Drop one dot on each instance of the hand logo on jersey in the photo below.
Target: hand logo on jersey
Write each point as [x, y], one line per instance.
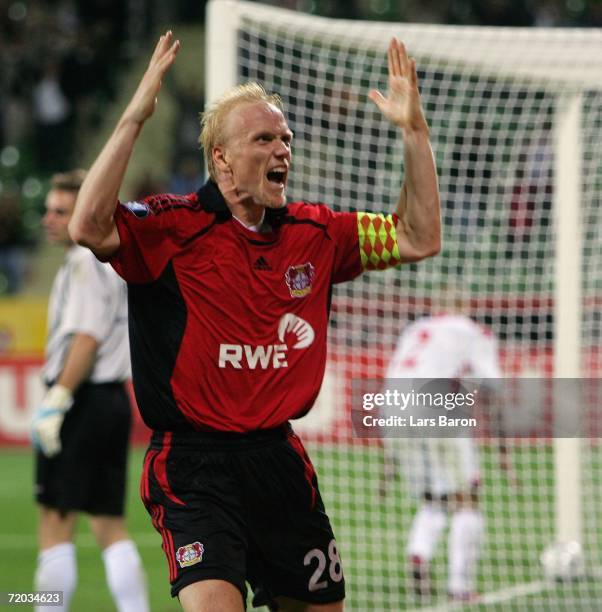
[304, 332]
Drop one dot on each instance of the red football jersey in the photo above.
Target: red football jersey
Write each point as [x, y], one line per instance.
[228, 326]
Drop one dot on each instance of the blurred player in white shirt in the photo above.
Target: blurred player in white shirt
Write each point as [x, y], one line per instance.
[443, 471]
[81, 429]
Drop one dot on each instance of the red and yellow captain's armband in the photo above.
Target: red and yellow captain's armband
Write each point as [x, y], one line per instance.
[377, 241]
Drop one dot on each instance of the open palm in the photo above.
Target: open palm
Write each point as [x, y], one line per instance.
[143, 103]
[402, 105]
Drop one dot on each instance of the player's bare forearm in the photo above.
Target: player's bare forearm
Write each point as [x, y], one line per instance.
[79, 362]
[92, 224]
[418, 230]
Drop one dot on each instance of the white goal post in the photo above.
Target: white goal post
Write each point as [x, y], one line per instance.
[516, 127]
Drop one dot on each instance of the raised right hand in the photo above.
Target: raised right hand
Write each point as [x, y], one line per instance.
[142, 104]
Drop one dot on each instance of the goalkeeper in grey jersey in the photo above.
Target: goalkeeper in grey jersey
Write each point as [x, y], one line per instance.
[81, 429]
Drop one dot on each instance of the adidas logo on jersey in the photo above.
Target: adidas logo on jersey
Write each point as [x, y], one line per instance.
[262, 264]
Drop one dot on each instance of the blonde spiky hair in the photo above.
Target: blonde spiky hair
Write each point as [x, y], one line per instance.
[213, 119]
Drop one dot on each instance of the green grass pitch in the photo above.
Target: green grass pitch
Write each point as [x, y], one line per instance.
[371, 532]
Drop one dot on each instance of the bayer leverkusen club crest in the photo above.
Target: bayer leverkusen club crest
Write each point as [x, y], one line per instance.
[299, 279]
[190, 554]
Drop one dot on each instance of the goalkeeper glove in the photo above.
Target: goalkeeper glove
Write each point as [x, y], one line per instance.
[47, 421]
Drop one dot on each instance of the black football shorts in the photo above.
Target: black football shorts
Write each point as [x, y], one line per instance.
[242, 507]
[89, 474]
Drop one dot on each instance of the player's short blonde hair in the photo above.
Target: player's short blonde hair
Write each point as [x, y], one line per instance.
[68, 181]
[213, 119]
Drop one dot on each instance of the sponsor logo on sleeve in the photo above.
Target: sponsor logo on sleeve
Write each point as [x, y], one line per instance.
[139, 209]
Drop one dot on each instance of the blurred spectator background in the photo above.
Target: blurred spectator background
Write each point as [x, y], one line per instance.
[67, 67]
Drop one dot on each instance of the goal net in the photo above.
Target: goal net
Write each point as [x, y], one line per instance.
[516, 127]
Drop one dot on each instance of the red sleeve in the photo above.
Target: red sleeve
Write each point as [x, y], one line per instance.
[151, 232]
[342, 229]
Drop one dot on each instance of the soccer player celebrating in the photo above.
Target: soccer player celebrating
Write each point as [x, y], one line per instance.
[81, 430]
[443, 471]
[229, 290]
